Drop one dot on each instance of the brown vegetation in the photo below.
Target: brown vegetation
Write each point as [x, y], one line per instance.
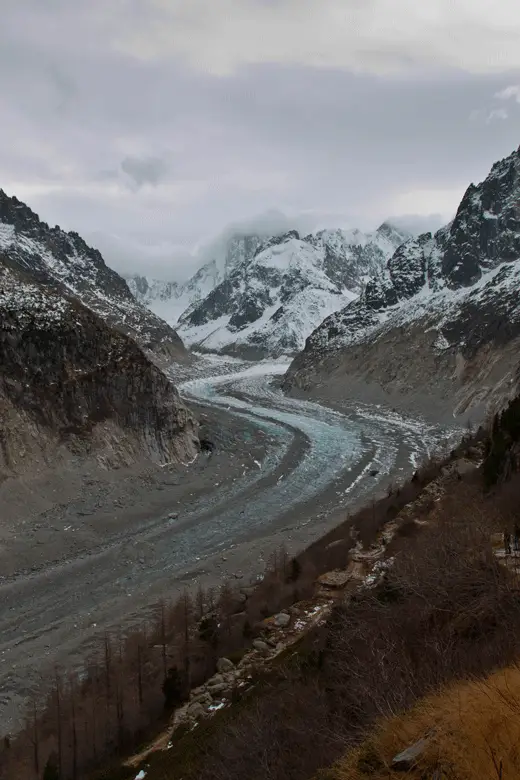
[445, 611]
[475, 733]
[377, 655]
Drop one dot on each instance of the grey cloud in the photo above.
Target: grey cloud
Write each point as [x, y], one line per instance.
[144, 170]
[420, 223]
[86, 127]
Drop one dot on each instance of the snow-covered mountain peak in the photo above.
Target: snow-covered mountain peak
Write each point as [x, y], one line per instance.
[271, 300]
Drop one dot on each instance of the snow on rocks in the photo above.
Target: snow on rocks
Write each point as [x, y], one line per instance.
[442, 297]
[225, 665]
[273, 298]
[62, 262]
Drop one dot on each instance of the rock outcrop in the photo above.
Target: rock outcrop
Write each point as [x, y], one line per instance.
[64, 262]
[443, 318]
[72, 387]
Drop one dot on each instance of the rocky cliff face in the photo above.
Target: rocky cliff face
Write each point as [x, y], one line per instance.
[64, 262]
[443, 318]
[72, 387]
[170, 300]
[272, 299]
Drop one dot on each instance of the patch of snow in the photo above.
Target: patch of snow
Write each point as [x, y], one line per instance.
[216, 707]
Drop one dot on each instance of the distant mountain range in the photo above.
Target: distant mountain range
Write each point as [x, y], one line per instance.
[266, 295]
[169, 300]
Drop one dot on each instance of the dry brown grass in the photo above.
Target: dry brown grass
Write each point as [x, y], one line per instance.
[477, 735]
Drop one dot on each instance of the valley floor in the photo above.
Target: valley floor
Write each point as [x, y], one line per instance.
[88, 551]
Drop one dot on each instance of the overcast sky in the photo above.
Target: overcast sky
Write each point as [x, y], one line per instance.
[149, 125]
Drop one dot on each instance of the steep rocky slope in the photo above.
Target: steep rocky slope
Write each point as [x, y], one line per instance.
[443, 318]
[170, 299]
[72, 387]
[64, 262]
[273, 298]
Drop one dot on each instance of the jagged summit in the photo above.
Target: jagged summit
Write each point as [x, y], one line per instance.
[273, 297]
[171, 299]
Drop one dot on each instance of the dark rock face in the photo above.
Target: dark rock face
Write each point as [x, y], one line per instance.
[250, 309]
[486, 229]
[461, 285]
[66, 263]
[71, 384]
[216, 304]
[277, 240]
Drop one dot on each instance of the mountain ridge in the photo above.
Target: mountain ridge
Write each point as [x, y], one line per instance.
[444, 310]
[78, 378]
[272, 299]
[64, 261]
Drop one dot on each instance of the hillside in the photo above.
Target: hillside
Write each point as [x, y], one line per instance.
[64, 262]
[272, 299]
[441, 321]
[332, 676]
[72, 388]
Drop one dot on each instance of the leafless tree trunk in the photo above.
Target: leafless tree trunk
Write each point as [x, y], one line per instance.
[139, 673]
[108, 662]
[36, 742]
[74, 729]
[59, 725]
[163, 638]
[200, 603]
[119, 693]
[187, 613]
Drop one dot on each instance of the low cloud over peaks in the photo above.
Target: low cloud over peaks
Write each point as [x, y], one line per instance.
[144, 170]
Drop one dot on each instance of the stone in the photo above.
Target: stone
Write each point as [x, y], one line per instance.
[217, 679]
[173, 516]
[337, 543]
[282, 620]
[261, 646]
[334, 579]
[408, 758]
[224, 665]
[218, 688]
[464, 466]
[195, 710]
[203, 698]
[247, 591]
